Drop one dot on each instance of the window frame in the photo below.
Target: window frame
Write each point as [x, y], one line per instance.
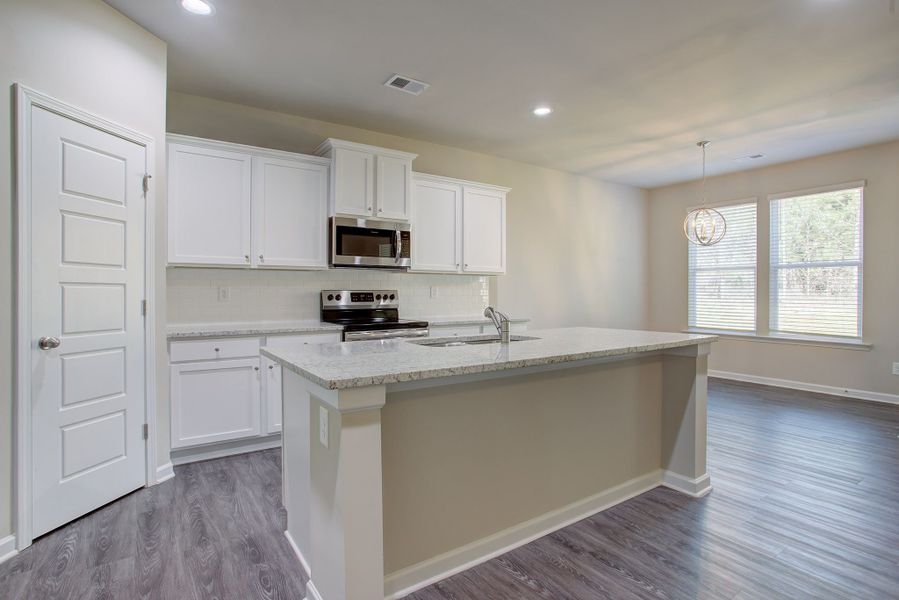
[690, 271]
[774, 269]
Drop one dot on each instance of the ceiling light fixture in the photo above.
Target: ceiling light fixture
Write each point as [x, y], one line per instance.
[542, 111]
[704, 226]
[198, 7]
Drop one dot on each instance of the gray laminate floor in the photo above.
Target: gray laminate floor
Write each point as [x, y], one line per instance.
[805, 505]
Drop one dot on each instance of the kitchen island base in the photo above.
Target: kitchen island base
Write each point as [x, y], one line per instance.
[391, 487]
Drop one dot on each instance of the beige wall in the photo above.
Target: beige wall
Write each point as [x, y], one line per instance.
[84, 53]
[576, 246]
[493, 454]
[842, 368]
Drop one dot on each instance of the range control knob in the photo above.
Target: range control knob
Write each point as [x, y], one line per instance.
[393, 296]
[337, 297]
[330, 296]
[378, 297]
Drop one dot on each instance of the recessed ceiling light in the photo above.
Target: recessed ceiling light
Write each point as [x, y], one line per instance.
[197, 7]
[542, 111]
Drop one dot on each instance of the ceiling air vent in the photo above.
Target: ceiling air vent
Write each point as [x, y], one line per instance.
[406, 84]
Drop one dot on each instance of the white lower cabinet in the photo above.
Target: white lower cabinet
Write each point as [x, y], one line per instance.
[223, 390]
[215, 401]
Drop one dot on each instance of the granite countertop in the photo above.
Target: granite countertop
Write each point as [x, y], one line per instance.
[201, 330]
[233, 329]
[359, 364]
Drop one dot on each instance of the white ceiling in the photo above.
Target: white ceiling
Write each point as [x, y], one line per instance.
[634, 83]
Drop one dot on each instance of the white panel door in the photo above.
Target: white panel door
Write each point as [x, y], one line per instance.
[394, 187]
[208, 206]
[271, 371]
[290, 213]
[215, 401]
[354, 182]
[483, 231]
[436, 224]
[87, 274]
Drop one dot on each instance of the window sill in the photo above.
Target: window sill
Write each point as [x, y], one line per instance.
[844, 343]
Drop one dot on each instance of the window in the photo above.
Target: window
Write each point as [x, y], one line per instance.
[816, 262]
[722, 277]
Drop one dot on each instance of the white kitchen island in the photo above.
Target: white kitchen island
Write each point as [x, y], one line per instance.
[404, 463]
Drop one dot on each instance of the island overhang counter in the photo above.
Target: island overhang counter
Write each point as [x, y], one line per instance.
[405, 463]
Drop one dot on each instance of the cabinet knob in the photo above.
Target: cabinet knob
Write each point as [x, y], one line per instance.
[216, 349]
[380, 210]
[255, 368]
[261, 258]
[246, 257]
[270, 367]
[369, 209]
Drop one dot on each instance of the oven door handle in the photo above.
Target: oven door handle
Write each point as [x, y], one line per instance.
[399, 245]
[356, 336]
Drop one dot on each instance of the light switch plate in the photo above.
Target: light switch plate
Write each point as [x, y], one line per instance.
[435, 291]
[895, 368]
[224, 294]
[323, 426]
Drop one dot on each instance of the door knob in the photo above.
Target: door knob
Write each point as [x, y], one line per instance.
[48, 343]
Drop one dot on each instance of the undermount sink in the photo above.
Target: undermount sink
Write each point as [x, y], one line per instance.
[472, 341]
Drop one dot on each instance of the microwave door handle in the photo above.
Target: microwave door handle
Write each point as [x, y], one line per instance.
[399, 246]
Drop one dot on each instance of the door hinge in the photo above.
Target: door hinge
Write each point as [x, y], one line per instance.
[147, 178]
[143, 307]
[146, 431]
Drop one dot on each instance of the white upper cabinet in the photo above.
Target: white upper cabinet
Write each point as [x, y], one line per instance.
[208, 205]
[458, 226]
[290, 199]
[436, 225]
[483, 230]
[354, 182]
[235, 205]
[367, 181]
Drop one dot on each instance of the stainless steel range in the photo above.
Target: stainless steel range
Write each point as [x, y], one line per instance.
[369, 315]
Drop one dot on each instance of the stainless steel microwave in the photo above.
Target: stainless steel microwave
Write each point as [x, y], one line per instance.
[371, 244]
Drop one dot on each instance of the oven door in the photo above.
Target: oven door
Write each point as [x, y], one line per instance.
[367, 243]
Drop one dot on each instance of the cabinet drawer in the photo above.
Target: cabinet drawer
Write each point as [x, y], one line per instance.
[455, 331]
[284, 341]
[214, 349]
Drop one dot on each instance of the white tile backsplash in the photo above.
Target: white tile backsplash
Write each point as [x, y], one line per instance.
[257, 295]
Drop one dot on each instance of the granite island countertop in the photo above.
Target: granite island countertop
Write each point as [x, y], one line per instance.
[378, 362]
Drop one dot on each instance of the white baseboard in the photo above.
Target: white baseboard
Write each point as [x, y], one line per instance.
[7, 547]
[405, 581]
[164, 472]
[181, 456]
[808, 387]
[692, 487]
[299, 553]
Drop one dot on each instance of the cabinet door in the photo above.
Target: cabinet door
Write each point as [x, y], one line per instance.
[354, 182]
[271, 372]
[436, 224]
[394, 187]
[483, 231]
[290, 213]
[215, 401]
[208, 206]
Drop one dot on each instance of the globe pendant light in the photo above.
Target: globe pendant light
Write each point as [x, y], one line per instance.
[704, 226]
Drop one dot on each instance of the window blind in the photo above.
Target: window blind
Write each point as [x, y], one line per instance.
[816, 263]
[722, 277]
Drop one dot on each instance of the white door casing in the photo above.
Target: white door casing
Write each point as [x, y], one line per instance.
[290, 204]
[87, 283]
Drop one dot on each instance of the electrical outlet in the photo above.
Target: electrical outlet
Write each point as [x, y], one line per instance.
[435, 291]
[323, 426]
[224, 294]
[895, 368]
